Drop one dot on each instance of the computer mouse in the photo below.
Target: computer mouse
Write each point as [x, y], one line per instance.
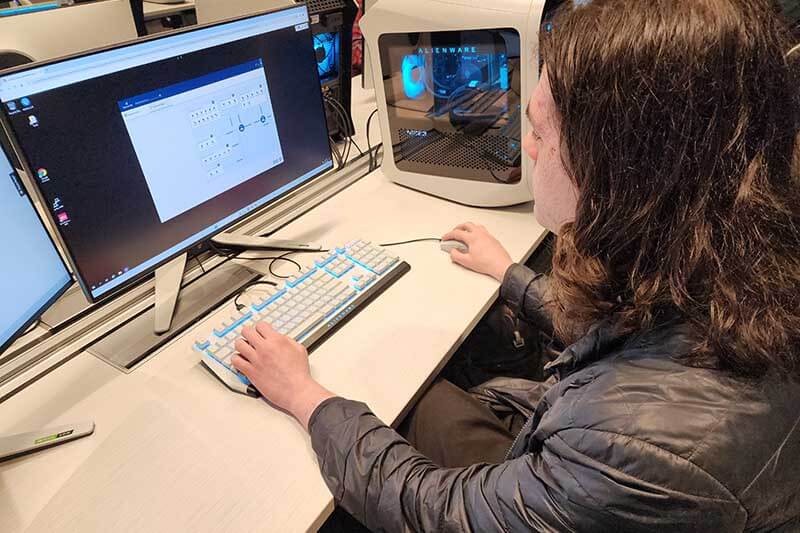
[446, 246]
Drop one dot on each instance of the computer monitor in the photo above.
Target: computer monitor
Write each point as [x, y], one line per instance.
[332, 27]
[32, 273]
[145, 150]
[41, 35]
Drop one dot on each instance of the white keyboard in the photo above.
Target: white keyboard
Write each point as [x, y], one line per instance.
[307, 307]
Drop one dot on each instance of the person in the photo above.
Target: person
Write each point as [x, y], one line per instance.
[664, 134]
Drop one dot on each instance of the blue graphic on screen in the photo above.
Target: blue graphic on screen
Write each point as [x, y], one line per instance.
[446, 71]
[326, 48]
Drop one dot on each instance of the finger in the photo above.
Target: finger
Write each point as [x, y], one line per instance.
[466, 226]
[265, 330]
[459, 257]
[459, 235]
[252, 336]
[242, 365]
[245, 349]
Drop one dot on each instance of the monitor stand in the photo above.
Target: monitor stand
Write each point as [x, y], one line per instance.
[135, 340]
[168, 284]
[252, 242]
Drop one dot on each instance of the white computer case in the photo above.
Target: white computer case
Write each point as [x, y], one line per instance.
[398, 16]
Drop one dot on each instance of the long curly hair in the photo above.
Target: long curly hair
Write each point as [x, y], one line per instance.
[679, 125]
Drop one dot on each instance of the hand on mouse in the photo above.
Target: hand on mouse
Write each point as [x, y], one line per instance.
[486, 255]
[278, 367]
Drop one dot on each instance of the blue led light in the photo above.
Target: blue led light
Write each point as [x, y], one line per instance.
[413, 67]
[326, 47]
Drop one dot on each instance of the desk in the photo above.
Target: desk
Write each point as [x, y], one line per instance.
[193, 456]
[154, 11]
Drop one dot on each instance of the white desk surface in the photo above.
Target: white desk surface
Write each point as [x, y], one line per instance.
[175, 451]
[153, 10]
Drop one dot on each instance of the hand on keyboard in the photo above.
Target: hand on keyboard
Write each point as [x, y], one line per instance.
[307, 308]
[278, 367]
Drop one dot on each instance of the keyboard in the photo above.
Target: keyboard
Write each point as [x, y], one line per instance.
[307, 307]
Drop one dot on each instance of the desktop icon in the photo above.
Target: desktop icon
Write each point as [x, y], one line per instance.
[33, 121]
[12, 106]
[63, 218]
[42, 173]
[57, 205]
[25, 101]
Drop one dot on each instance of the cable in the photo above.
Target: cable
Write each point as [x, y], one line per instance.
[343, 116]
[336, 154]
[283, 257]
[378, 150]
[346, 123]
[425, 239]
[200, 263]
[369, 144]
[360, 151]
[249, 285]
[341, 158]
[340, 115]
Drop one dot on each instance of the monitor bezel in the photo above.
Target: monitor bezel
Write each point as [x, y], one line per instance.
[196, 247]
[39, 312]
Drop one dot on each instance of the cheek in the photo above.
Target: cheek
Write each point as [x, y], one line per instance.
[529, 146]
[554, 194]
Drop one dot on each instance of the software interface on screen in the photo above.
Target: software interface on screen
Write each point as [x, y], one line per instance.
[153, 147]
[34, 275]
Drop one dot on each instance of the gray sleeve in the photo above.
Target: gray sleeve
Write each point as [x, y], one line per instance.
[387, 485]
[526, 292]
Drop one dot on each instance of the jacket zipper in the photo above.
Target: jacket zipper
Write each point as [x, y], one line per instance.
[519, 435]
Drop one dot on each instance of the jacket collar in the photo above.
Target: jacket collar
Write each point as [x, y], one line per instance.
[590, 348]
[601, 340]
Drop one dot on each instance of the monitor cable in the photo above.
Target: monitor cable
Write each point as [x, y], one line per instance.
[344, 122]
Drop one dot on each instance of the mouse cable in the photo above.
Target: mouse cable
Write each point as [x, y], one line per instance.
[385, 245]
[425, 239]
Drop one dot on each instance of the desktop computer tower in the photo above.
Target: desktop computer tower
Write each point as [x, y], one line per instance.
[332, 27]
[452, 87]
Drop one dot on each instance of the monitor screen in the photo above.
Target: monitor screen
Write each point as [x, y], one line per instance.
[32, 274]
[147, 149]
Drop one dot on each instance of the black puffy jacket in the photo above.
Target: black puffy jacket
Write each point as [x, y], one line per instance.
[622, 438]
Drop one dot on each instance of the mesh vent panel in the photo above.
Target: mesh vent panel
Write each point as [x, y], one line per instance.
[453, 150]
[320, 6]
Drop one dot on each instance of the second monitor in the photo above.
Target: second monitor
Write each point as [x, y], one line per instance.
[142, 151]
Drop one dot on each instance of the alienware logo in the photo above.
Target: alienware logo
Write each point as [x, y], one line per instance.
[449, 50]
